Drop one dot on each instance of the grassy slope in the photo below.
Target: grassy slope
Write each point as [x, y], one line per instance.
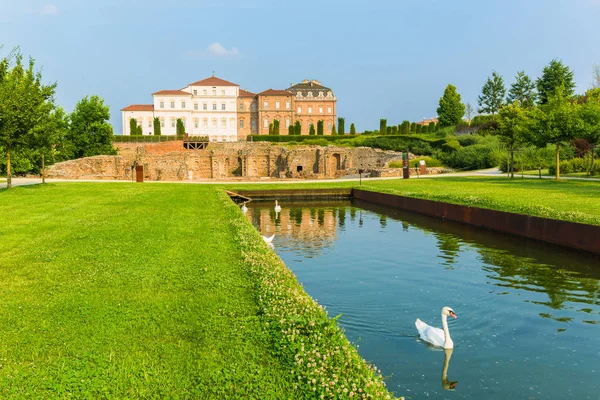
[119, 290]
[577, 201]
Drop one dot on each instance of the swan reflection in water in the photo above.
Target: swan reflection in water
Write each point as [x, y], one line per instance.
[446, 383]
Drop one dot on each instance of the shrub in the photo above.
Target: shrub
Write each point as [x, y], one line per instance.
[468, 140]
[429, 161]
[482, 155]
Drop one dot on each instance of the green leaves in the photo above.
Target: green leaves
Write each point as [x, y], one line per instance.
[554, 76]
[450, 110]
[522, 91]
[492, 95]
[90, 132]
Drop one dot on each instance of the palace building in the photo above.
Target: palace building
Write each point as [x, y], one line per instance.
[223, 112]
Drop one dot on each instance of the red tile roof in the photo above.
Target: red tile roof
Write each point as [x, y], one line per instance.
[171, 93]
[245, 93]
[275, 92]
[139, 107]
[213, 81]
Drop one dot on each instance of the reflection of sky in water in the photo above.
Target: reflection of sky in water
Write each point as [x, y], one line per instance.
[529, 313]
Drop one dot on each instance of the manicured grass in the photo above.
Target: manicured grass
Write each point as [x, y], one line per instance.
[577, 201]
[545, 172]
[128, 291]
[117, 290]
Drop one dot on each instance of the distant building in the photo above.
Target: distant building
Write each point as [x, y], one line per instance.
[222, 111]
[427, 121]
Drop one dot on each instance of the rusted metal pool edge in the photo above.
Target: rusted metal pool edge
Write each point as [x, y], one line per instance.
[570, 234]
[564, 233]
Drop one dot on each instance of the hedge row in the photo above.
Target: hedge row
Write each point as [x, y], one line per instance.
[145, 138]
[295, 138]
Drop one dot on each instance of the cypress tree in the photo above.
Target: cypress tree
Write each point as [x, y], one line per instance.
[133, 130]
[352, 129]
[297, 128]
[341, 126]
[291, 130]
[156, 123]
[311, 130]
[405, 127]
[394, 130]
[451, 109]
[413, 127]
[333, 131]
[320, 127]
[419, 128]
[270, 128]
[431, 127]
[180, 129]
[276, 127]
[382, 126]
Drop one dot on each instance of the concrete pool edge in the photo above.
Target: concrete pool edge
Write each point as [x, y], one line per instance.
[569, 234]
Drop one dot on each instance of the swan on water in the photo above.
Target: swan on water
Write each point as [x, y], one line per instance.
[244, 208]
[277, 207]
[437, 336]
[269, 239]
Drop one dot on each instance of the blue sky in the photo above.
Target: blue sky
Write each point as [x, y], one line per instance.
[383, 59]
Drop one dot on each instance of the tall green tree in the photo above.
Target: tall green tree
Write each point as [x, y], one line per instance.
[512, 127]
[492, 95]
[275, 127]
[451, 109]
[413, 127]
[270, 128]
[522, 90]
[311, 129]
[156, 126]
[291, 129]
[48, 137]
[297, 128]
[91, 133]
[320, 127]
[333, 130]
[419, 128]
[352, 129]
[341, 126]
[590, 115]
[179, 127]
[394, 130]
[554, 76]
[432, 127]
[556, 122]
[24, 104]
[405, 127]
[383, 126]
[133, 127]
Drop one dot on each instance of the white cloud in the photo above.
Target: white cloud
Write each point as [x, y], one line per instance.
[49, 9]
[215, 50]
[218, 50]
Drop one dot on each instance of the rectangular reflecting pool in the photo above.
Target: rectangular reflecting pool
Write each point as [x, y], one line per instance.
[529, 313]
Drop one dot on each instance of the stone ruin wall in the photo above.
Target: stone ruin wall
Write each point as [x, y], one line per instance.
[169, 161]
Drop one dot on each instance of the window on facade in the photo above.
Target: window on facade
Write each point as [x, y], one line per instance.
[205, 106]
[214, 92]
[299, 110]
[162, 104]
[253, 124]
[266, 123]
[329, 127]
[183, 104]
[241, 124]
[266, 104]
[223, 106]
[172, 104]
[277, 104]
[287, 122]
[310, 110]
[223, 122]
[214, 106]
[253, 107]
[172, 123]
[222, 92]
[195, 92]
[328, 110]
[195, 123]
[214, 122]
[162, 123]
[320, 110]
[241, 106]
[205, 122]
[150, 123]
[287, 105]
[204, 92]
[195, 106]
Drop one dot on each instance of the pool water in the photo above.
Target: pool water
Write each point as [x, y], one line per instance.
[528, 322]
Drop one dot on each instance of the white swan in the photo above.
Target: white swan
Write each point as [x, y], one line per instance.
[437, 336]
[244, 208]
[269, 239]
[277, 207]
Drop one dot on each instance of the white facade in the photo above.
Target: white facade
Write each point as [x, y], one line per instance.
[207, 108]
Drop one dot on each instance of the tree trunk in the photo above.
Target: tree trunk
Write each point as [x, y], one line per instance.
[512, 163]
[43, 169]
[8, 177]
[557, 162]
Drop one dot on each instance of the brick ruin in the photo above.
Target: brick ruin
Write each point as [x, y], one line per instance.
[169, 161]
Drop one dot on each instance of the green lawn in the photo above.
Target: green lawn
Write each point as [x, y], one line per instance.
[577, 201]
[117, 290]
[545, 172]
